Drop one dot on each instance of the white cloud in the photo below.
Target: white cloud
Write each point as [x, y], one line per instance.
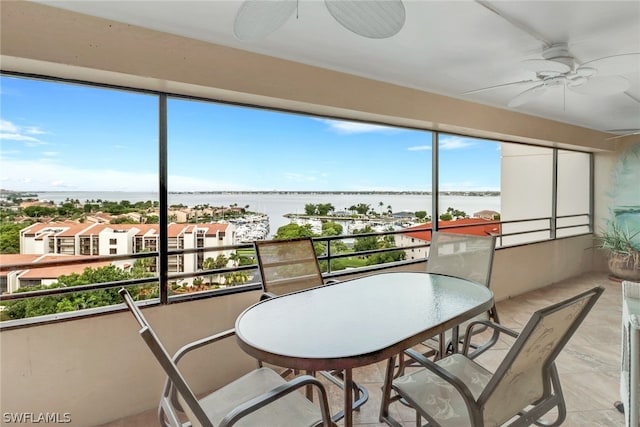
[18, 137]
[7, 126]
[345, 127]
[46, 175]
[455, 142]
[419, 148]
[11, 132]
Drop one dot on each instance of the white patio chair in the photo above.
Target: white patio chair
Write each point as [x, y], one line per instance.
[458, 391]
[259, 398]
[291, 265]
[468, 257]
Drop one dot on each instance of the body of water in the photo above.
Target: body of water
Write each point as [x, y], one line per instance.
[276, 205]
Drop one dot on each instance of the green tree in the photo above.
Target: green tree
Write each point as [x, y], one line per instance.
[360, 208]
[10, 238]
[310, 209]
[325, 209]
[292, 231]
[221, 261]
[421, 215]
[455, 213]
[152, 219]
[235, 258]
[69, 209]
[331, 229]
[78, 300]
[386, 257]
[39, 211]
[212, 264]
[90, 207]
[236, 278]
[365, 243]
[123, 220]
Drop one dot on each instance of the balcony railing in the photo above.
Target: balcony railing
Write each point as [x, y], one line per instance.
[536, 230]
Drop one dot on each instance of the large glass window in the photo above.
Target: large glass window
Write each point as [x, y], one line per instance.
[79, 172]
[81, 169]
[574, 193]
[527, 193]
[263, 174]
[469, 184]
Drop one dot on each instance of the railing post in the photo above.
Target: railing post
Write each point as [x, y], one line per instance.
[328, 256]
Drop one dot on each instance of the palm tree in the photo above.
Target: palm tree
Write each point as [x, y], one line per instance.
[235, 258]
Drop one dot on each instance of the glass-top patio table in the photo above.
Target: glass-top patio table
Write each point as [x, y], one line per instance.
[357, 322]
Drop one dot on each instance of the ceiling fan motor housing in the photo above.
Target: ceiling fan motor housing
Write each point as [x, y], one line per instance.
[559, 53]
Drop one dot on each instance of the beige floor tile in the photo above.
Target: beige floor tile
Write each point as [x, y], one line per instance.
[589, 366]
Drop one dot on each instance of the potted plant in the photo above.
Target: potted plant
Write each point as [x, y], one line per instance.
[624, 251]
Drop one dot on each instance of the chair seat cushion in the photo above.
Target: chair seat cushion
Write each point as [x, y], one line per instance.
[292, 410]
[438, 398]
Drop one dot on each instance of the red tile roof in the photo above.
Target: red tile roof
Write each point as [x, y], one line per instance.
[48, 272]
[482, 227]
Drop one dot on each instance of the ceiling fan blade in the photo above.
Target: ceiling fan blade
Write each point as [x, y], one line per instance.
[528, 95]
[257, 19]
[545, 66]
[605, 85]
[621, 133]
[615, 65]
[500, 85]
[376, 19]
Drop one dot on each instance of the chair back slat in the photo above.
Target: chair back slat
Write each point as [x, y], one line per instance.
[524, 375]
[288, 265]
[461, 255]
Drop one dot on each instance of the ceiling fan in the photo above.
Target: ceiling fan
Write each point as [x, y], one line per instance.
[557, 68]
[375, 19]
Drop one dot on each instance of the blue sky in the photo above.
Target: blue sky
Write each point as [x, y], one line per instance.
[67, 137]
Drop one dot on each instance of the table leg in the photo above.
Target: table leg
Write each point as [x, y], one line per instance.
[455, 337]
[348, 398]
[386, 395]
[309, 388]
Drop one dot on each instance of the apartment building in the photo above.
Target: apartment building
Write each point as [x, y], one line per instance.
[12, 280]
[67, 238]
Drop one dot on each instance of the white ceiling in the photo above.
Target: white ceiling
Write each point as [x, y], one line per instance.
[445, 47]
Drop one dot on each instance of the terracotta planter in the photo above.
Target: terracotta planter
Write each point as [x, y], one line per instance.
[625, 267]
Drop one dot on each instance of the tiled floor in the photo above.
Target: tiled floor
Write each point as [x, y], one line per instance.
[589, 366]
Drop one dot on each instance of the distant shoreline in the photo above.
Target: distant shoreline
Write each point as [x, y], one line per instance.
[400, 193]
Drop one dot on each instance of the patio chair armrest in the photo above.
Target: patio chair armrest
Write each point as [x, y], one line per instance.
[456, 382]
[194, 345]
[497, 329]
[270, 396]
[496, 326]
[170, 392]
